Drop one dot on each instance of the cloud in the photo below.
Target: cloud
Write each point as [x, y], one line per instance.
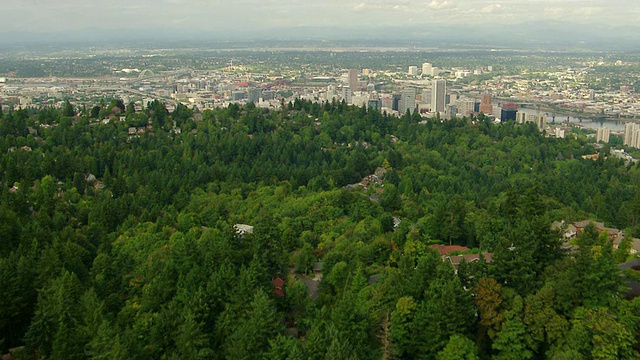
[492, 9]
[360, 7]
[254, 16]
[440, 4]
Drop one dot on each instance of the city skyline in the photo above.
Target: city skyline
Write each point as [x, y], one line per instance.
[525, 20]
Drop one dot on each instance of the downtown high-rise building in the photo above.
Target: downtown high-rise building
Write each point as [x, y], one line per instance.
[426, 69]
[254, 94]
[407, 101]
[438, 95]
[347, 94]
[353, 80]
[465, 106]
[632, 135]
[539, 119]
[603, 134]
[485, 104]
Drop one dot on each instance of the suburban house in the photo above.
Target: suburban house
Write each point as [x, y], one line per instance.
[448, 249]
[243, 229]
[469, 258]
[570, 231]
[278, 287]
[613, 233]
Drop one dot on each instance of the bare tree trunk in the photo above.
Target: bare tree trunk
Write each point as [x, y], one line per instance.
[385, 337]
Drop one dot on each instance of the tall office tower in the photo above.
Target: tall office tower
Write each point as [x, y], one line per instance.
[353, 79]
[395, 102]
[413, 70]
[485, 104]
[407, 101]
[508, 111]
[254, 94]
[632, 135]
[539, 119]
[465, 106]
[426, 69]
[602, 134]
[347, 95]
[438, 95]
[451, 110]
[628, 129]
[374, 105]
[508, 114]
[426, 96]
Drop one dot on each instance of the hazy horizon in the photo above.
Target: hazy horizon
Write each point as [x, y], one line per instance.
[591, 23]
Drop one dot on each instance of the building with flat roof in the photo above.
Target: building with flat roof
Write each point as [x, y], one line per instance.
[507, 114]
[426, 68]
[485, 104]
[353, 80]
[374, 105]
[407, 101]
[632, 135]
[539, 119]
[603, 134]
[347, 95]
[465, 107]
[438, 95]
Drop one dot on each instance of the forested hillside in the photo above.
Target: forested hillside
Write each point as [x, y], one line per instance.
[117, 238]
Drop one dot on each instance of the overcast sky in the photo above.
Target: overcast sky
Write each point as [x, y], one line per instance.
[256, 15]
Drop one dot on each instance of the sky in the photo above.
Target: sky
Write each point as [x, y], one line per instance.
[259, 17]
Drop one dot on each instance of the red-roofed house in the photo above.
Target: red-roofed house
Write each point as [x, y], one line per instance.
[448, 249]
[278, 285]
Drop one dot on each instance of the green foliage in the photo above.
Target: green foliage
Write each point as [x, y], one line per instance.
[118, 245]
[459, 348]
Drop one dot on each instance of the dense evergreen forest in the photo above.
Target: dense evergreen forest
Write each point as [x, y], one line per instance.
[117, 238]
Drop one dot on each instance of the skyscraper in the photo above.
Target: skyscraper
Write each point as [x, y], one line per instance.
[485, 104]
[603, 134]
[407, 101]
[374, 105]
[632, 135]
[438, 95]
[465, 106]
[509, 111]
[347, 94]
[538, 119]
[254, 94]
[413, 70]
[395, 102]
[353, 80]
[426, 69]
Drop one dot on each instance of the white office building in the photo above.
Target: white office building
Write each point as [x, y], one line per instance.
[438, 95]
[632, 135]
[603, 134]
[539, 119]
[426, 68]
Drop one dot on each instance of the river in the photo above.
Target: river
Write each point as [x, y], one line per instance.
[587, 123]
